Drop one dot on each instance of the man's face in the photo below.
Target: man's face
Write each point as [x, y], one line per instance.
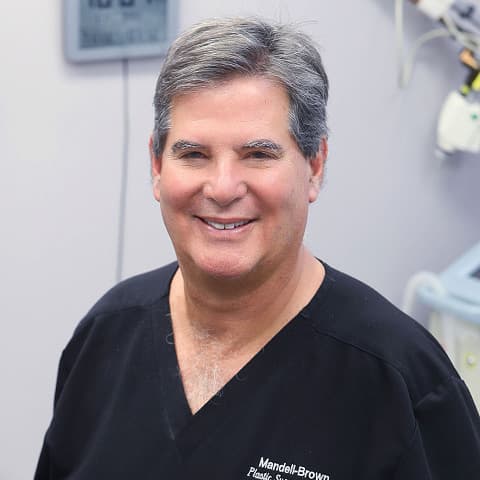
[233, 186]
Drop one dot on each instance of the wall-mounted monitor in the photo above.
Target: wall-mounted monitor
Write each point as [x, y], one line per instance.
[96, 30]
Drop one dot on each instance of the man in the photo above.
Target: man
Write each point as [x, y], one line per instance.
[249, 358]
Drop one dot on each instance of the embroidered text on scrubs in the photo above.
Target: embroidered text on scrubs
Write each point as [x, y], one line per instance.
[292, 469]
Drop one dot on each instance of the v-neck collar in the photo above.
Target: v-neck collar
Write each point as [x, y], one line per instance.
[187, 430]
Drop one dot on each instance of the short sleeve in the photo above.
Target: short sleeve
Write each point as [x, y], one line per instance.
[446, 442]
[43, 470]
[69, 354]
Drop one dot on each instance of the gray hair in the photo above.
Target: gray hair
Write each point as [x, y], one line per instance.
[215, 50]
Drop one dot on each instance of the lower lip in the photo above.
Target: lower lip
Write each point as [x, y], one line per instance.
[225, 234]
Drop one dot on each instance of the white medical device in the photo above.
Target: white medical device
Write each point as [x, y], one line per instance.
[434, 8]
[97, 30]
[453, 297]
[458, 126]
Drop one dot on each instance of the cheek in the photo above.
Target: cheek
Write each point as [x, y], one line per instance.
[288, 206]
[175, 190]
[296, 194]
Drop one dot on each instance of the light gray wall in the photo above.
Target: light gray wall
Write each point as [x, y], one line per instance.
[388, 207]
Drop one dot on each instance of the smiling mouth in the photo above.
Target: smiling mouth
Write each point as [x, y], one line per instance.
[225, 226]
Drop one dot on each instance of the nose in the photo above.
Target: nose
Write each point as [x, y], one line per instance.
[225, 184]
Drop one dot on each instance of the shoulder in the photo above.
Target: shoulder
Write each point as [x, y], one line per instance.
[140, 292]
[360, 318]
[115, 317]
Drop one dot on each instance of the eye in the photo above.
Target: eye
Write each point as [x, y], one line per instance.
[193, 158]
[261, 155]
[192, 155]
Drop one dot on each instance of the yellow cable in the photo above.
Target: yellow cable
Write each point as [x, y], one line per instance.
[476, 83]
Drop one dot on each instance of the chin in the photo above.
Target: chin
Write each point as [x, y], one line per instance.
[225, 268]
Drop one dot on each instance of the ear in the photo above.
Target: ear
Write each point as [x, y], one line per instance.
[317, 164]
[155, 168]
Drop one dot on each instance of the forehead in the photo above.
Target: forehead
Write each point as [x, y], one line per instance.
[241, 104]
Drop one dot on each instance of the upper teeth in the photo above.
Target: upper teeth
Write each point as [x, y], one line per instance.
[226, 226]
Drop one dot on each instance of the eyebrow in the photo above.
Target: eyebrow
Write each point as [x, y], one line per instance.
[181, 145]
[265, 144]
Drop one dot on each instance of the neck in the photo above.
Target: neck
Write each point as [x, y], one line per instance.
[238, 312]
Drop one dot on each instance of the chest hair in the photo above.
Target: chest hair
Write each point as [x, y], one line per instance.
[205, 369]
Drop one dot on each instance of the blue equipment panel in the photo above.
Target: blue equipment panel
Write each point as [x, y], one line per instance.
[456, 291]
[462, 278]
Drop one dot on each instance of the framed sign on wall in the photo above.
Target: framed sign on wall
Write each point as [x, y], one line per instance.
[96, 30]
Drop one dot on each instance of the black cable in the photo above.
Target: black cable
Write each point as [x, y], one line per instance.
[124, 173]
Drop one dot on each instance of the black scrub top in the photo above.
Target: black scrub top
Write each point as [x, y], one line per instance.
[349, 389]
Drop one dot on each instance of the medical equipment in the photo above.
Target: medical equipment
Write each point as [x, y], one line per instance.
[454, 300]
[458, 126]
[117, 29]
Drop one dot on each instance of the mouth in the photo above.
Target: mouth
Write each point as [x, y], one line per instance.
[225, 226]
